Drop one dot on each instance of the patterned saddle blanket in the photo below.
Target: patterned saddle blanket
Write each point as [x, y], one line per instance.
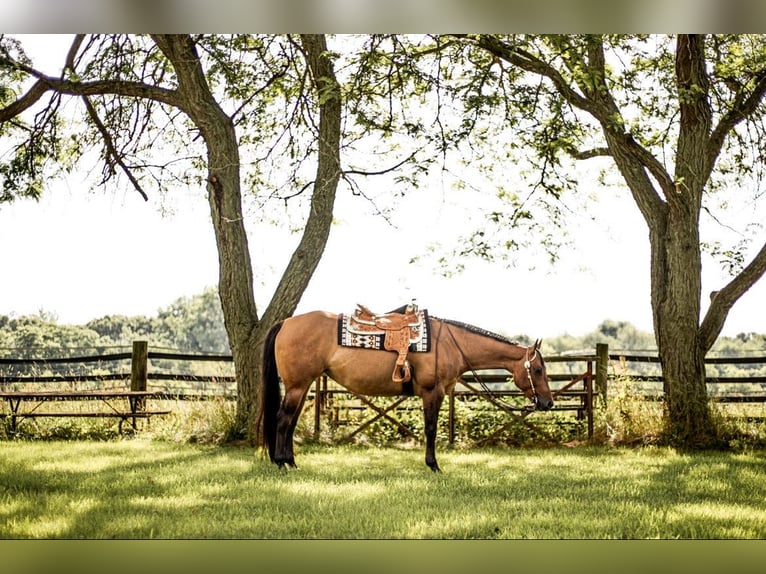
[353, 333]
[403, 330]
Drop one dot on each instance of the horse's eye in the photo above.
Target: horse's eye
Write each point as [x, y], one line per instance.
[538, 370]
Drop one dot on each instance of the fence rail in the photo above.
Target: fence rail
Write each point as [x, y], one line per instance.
[753, 380]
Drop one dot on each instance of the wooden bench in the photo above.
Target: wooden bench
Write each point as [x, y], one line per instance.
[115, 400]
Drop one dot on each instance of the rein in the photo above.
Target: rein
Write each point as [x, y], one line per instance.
[494, 398]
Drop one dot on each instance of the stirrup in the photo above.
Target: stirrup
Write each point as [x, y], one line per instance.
[406, 374]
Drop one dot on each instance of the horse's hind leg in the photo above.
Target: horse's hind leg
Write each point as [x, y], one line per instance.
[432, 402]
[287, 419]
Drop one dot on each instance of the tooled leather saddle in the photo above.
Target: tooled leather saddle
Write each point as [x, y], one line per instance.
[399, 329]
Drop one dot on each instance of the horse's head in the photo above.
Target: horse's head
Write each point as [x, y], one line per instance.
[532, 379]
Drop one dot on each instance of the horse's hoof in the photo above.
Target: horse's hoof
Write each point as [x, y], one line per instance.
[287, 465]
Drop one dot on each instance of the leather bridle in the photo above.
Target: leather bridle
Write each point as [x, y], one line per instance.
[528, 366]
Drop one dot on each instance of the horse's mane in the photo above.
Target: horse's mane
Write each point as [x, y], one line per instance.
[478, 330]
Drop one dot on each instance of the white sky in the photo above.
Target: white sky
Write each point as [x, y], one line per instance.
[83, 256]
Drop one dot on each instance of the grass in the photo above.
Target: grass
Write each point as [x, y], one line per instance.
[139, 489]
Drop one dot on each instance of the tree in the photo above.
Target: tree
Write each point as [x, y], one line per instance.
[138, 94]
[681, 119]
[196, 323]
[123, 330]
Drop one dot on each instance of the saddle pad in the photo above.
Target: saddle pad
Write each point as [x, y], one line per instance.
[348, 337]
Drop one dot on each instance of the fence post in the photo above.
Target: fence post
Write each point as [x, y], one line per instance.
[602, 370]
[139, 366]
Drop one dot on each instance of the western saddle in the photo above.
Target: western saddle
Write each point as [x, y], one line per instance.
[400, 330]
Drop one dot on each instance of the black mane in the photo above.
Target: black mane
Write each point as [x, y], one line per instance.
[478, 331]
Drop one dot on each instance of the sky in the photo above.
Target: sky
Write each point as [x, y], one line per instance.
[83, 255]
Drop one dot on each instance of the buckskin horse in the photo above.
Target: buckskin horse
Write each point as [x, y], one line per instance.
[302, 348]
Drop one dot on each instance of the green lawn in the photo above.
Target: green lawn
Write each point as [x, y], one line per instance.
[150, 489]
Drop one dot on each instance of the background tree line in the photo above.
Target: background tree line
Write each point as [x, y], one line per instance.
[189, 324]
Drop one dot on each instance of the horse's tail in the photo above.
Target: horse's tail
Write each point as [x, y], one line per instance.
[271, 396]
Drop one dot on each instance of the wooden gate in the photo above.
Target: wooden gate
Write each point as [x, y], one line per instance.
[574, 390]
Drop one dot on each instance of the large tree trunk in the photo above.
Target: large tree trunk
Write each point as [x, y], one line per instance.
[235, 280]
[245, 330]
[675, 277]
[677, 268]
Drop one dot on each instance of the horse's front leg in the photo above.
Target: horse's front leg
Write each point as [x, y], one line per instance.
[432, 402]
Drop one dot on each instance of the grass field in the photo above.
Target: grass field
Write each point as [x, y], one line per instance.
[139, 489]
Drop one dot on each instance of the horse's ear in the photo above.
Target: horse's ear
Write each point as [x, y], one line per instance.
[538, 344]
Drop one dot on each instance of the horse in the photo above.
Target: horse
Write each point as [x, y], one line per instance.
[303, 347]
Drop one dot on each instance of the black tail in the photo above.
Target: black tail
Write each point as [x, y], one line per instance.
[271, 396]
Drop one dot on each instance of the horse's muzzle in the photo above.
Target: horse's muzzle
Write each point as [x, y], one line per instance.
[543, 404]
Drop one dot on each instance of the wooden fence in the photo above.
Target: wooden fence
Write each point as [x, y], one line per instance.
[577, 380]
[135, 374]
[749, 388]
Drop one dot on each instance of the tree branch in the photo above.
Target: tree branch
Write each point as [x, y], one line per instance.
[599, 104]
[589, 153]
[111, 150]
[117, 88]
[25, 102]
[742, 108]
[383, 171]
[621, 141]
[695, 114]
[308, 253]
[722, 301]
[72, 88]
[73, 49]
[530, 63]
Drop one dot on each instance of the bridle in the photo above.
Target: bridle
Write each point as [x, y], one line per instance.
[527, 367]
